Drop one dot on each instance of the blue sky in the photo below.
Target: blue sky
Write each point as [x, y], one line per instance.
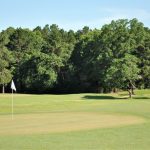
[71, 14]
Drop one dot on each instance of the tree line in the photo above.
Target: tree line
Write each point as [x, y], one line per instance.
[52, 60]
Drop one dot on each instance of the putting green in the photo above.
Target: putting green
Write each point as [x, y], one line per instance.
[62, 122]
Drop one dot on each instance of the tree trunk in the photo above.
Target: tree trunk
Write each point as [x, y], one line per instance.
[130, 93]
[115, 90]
[3, 89]
[132, 87]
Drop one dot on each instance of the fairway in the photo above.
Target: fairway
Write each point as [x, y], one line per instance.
[76, 122]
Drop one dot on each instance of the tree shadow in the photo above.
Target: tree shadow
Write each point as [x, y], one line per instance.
[141, 97]
[106, 97]
[102, 97]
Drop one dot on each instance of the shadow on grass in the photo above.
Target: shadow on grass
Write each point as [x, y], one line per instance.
[102, 97]
[141, 97]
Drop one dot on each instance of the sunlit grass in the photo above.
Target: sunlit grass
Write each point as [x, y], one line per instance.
[64, 109]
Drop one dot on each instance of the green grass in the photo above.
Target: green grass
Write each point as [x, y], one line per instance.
[75, 109]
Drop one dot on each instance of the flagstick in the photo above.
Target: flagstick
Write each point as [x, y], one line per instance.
[12, 105]
[12, 100]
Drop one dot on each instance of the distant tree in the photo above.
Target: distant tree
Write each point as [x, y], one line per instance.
[123, 73]
[39, 73]
[5, 60]
[119, 41]
[5, 72]
[52, 59]
[143, 53]
[85, 61]
[23, 44]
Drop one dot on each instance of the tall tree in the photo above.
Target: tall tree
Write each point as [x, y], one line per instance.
[83, 61]
[5, 60]
[23, 44]
[143, 53]
[5, 71]
[123, 73]
[39, 73]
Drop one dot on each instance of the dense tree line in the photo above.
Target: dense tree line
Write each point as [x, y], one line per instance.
[52, 60]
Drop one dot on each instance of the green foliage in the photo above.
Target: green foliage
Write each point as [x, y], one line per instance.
[51, 59]
[39, 73]
[122, 71]
[5, 60]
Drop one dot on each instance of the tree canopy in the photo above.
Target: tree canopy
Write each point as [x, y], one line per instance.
[52, 60]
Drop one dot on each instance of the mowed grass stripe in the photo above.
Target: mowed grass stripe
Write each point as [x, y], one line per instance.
[62, 122]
